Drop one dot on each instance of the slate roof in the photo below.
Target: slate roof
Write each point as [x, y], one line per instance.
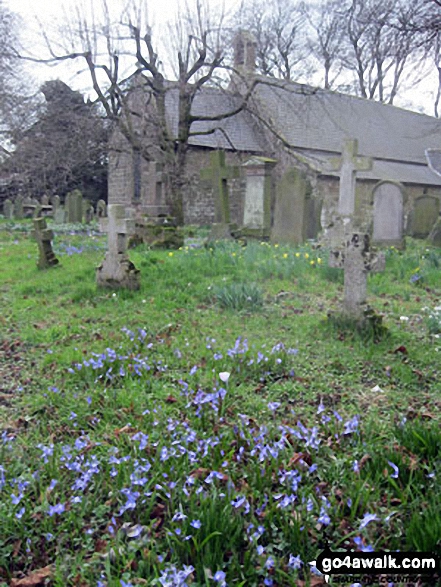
[238, 132]
[316, 122]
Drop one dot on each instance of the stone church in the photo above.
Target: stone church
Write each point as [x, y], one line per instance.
[277, 161]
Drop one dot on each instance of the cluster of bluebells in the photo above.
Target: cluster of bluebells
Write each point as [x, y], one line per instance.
[178, 462]
[112, 365]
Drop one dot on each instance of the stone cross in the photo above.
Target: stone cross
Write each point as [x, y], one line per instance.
[117, 270]
[348, 165]
[357, 261]
[43, 236]
[218, 174]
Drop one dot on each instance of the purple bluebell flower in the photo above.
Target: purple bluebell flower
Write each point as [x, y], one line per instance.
[295, 562]
[396, 472]
[196, 524]
[367, 518]
[56, 509]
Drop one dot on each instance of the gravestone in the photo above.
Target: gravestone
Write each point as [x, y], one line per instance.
[292, 192]
[8, 209]
[218, 174]
[88, 212]
[117, 270]
[258, 196]
[74, 207]
[30, 206]
[18, 208]
[43, 236]
[423, 216]
[434, 237]
[357, 261]
[388, 215]
[354, 254]
[45, 200]
[160, 232]
[101, 209]
[347, 165]
[58, 211]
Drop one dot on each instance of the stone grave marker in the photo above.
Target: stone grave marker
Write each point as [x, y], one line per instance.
[88, 212]
[117, 270]
[18, 208]
[354, 254]
[434, 237]
[292, 193]
[258, 196]
[218, 174]
[74, 207]
[357, 261]
[30, 207]
[45, 200]
[388, 215]
[58, 211]
[101, 209]
[423, 216]
[43, 236]
[348, 165]
[8, 209]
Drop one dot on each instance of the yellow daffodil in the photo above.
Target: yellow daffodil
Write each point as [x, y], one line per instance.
[306, 256]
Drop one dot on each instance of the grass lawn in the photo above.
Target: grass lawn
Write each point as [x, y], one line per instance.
[216, 427]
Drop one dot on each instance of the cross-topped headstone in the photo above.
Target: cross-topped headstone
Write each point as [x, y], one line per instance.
[117, 270]
[348, 165]
[218, 174]
[357, 261]
[44, 236]
[352, 252]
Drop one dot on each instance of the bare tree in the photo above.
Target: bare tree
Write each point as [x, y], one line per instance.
[327, 37]
[17, 96]
[279, 30]
[380, 51]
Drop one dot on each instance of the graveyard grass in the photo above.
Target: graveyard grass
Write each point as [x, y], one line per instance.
[214, 427]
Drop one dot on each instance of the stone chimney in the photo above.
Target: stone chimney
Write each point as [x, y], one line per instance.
[244, 46]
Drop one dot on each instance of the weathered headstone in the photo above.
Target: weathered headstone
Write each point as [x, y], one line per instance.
[117, 270]
[348, 165]
[388, 215]
[159, 232]
[58, 211]
[218, 175]
[45, 200]
[292, 193]
[43, 236]
[18, 208]
[88, 212]
[354, 256]
[74, 207]
[434, 237]
[258, 196]
[357, 261]
[8, 209]
[423, 216]
[101, 209]
[30, 206]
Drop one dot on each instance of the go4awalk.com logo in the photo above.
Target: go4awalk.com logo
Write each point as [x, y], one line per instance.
[399, 564]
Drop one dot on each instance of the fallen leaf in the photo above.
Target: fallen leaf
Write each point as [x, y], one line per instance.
[34, 579]
[401, 349]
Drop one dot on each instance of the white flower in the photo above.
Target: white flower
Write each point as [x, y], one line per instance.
[224, 376]
[377, 389]
[404, 319]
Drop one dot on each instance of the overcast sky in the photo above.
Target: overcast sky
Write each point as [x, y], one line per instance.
[50, 13]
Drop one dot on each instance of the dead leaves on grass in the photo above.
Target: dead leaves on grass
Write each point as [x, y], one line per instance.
[35, 579]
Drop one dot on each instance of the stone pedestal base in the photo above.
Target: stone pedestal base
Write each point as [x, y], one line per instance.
[117, 271]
